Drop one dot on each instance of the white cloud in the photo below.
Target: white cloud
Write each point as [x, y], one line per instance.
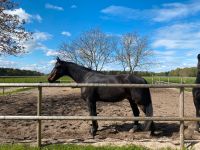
[178, 36]
[19, 12]
[23, 15]
[73, 6]
[42, 36]
[43, 67]
[121, 11]
[7, 63]
[179, 44]
[52, 53]
[164, 53]
[171, 11]
[52, 62]
[163, 13]
[30, 67]
[35, 43]
[66, 33]
[37, 17]
[50, 6]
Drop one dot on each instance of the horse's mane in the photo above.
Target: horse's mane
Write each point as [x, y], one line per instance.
[82, 67]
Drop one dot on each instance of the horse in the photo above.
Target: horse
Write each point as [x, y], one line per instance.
[196, 95]
[136, 96]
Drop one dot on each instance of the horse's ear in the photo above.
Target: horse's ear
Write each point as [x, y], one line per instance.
[198, 56]
[58, 59]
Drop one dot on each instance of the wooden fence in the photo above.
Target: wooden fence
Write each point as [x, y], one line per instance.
[181, 117]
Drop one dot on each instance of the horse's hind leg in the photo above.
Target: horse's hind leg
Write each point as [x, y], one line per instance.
[136, 113]
[148, 110]
[92, 111]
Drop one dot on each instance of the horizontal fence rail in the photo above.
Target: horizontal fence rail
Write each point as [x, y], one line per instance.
[38, 118]
[102, 118]
[79, 85]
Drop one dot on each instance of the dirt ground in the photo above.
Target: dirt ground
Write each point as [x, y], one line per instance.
[67, 101]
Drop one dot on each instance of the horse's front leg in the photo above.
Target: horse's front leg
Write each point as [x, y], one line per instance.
[196, 103]
[136, 112]
[92, 111]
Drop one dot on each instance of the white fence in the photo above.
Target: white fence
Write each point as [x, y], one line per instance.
[181, 117]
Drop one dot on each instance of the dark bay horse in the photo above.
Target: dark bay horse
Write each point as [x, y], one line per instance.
[196, 94]
[136, 96]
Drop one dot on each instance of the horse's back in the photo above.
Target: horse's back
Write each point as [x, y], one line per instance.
[122, 78]
[108, 93]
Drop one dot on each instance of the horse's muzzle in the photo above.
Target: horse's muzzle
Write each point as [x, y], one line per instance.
[50, 79]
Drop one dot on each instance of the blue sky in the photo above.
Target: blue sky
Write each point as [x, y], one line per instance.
[173, 28]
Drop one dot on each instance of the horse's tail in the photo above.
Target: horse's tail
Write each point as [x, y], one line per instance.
[142, 97]
[148, 108]
[148, 102]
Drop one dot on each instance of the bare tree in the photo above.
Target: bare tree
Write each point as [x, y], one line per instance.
[12, 32]
[133, 52]
[92, 49]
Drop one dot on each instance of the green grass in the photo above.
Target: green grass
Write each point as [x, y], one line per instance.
[31, 79]
[75, 147]
[68, 79]
[186, 80]
[69, 147]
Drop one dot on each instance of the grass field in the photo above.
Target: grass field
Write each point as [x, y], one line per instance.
[29, 79]
[69, 147]
[43, 79]
[67, 79]
[185, 80]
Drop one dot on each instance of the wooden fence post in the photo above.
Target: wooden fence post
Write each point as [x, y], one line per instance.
[181, 80]
[181, 114]
[3, 87]
[38, 114]
[3, 90]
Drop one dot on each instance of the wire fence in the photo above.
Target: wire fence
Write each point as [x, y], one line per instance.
[181, 117]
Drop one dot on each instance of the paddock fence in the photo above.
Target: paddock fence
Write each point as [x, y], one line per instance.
[170, 79]
[39, 118]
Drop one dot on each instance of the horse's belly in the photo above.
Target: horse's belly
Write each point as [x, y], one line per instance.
[111, 95]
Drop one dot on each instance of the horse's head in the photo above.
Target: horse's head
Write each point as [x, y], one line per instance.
[58, 71]
[198, 56]
[198, 64]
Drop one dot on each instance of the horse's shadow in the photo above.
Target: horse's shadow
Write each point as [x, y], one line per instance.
[161, 128]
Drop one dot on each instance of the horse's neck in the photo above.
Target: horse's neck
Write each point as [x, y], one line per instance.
[77, 73]
[198, 73]
[198, 77]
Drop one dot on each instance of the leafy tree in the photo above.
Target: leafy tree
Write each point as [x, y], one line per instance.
[184, 72]
[12, 32]
[18, 72]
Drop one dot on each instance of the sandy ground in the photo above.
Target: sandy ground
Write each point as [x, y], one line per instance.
[67, 101]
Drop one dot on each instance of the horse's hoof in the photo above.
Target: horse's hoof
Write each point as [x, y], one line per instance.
[93, 132]
[153, 133]
[148, 126]
[197, 130]
[136, 127]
